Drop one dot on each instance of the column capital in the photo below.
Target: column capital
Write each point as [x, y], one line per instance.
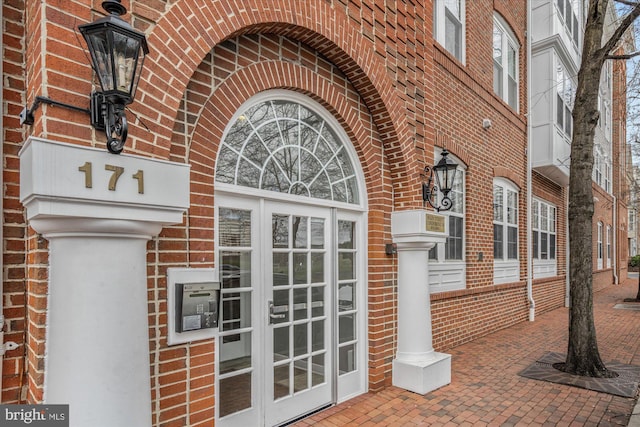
[68, 188]
[418, 229]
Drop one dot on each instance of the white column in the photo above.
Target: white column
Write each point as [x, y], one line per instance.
[417, 367]
[97, 340]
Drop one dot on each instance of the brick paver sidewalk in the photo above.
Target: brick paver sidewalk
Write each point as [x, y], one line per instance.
[486, 389]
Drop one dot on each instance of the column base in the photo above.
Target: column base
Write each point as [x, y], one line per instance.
[422, 376]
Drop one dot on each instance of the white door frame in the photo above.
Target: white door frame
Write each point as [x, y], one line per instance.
[344, 387]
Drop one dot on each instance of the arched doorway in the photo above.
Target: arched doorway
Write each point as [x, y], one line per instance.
[291, 246]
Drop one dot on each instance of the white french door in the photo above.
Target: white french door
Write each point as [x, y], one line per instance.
[292, 328]
[298, 277]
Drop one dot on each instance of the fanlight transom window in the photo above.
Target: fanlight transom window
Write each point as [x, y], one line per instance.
[282, 146]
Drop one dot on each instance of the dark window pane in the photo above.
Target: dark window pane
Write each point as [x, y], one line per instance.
[498, 246]
[512, 243]
[453, 246]
[559, 111]
[552, 246]
[535, 245]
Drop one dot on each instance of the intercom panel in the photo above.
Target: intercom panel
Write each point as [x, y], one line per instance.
[197, 306]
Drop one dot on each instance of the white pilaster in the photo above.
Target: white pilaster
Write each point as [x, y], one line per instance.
[417, 367]
[97, 224]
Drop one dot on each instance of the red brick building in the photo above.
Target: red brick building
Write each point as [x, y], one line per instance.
[303, 129]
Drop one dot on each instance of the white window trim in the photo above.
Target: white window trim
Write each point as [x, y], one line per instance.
[506, 270]
[508, 39]
[562, 81]
[608, 247]
[450, 275]
[545, 267]
[599, 248]
[440, 31]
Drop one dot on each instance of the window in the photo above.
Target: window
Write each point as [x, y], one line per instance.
[597, 168]
[449, 26]
[544, 239]
[567, 9]
[446, 260]
[505, 63]
[283, 146]
[600, 254]
[565, 94]
[505, 231]
[602, 170]
[609, 238]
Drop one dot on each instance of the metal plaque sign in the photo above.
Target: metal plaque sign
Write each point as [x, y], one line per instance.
[434, 223]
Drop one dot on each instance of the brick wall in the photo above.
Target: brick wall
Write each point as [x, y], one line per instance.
[373, 65]
[16, 288]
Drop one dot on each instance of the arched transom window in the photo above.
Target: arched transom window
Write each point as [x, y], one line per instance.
[283, 146]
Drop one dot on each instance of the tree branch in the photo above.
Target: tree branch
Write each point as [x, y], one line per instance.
[627, 56]
[622, 28]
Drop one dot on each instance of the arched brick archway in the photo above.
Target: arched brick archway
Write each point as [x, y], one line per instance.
[278, 75]
[191, 28]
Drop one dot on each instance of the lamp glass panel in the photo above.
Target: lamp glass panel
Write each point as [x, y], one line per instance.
[99, 48]
[125, 55]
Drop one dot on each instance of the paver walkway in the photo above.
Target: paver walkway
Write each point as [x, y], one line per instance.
[486, 390]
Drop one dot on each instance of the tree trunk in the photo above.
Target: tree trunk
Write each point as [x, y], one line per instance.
[583, 357]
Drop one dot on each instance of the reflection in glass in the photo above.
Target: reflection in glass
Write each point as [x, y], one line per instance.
[281, 381]
[346, 296]
[346, 234]
[346, 328]
[280, 305]
[346, 266]
[236, 269]
[300, 304]
[317, 267]
[347, 359]
[299, 268]
[280, 269]
[300, 375]
[299, 231]
[300, 340]
[317, 301]
[234, 227]
[317, 335]
[280, 343]
[284, 147]
[231, 360]
[236, 307]
[317, 370]
[317, 233]
[280, 231]
[235, 394]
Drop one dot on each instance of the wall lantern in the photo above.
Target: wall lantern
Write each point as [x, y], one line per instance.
[445, 175]
[117, 56]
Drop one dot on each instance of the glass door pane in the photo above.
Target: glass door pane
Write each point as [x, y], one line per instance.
[236, 369]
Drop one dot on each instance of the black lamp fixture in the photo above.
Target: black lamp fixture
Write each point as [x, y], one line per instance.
[441, 178]
[117, 55]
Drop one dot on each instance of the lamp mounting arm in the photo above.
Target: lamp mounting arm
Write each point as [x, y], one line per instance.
[26, 115]
[117, 129]
[430, 193]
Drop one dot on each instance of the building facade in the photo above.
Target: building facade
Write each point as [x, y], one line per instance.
[282, 142]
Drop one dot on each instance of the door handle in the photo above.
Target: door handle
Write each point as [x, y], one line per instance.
[276, 316]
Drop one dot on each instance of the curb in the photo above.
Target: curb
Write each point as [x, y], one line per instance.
[634, 421]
